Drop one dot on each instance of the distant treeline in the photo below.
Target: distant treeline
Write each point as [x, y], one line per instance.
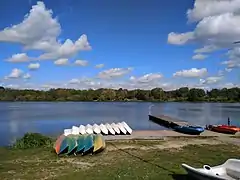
[156, 94]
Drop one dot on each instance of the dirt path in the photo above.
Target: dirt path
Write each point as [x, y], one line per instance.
[169, 143]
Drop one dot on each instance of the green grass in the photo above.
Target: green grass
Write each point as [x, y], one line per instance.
[138, 159]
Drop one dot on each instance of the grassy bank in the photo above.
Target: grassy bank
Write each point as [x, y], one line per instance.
[125, 159]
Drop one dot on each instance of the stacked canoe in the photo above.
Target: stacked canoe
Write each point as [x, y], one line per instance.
[79, 144]
[121, 128]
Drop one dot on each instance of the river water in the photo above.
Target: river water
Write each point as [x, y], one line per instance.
[50, 118]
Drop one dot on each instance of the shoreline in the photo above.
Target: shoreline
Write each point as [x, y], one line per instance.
[162, 134]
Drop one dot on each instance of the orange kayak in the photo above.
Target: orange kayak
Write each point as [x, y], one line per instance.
[224, 129]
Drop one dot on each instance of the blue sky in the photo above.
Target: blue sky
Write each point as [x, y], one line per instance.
[122, 44]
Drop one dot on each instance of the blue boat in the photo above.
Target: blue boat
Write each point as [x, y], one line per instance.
[193, 130]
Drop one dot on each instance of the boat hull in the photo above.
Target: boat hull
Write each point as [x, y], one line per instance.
[223, 129]
[88, 141]
[192, 130]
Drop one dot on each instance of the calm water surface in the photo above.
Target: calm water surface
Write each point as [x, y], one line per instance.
[51, 118]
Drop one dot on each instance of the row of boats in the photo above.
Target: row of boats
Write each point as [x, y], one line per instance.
[79, 144]
[196, 130]
[104, 129]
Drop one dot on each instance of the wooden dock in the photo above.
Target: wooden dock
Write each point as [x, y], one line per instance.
[167, 121]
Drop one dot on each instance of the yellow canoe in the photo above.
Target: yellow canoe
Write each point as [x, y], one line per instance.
[99, 143]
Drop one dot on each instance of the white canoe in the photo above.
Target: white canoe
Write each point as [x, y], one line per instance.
[121, 127]
[229, 170]
[82, 129]
[75, 130]
[129, 130]
[89, 129]
[110, 129]
[103, 129]
[96, 129]
[115, 128]
[67, 132]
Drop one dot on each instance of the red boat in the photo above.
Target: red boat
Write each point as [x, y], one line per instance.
[224, 129]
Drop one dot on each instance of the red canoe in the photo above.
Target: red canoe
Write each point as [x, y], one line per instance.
[224, 129]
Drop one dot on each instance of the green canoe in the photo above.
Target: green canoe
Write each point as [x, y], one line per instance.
[80, 144]
[88, 141]
[72, 143]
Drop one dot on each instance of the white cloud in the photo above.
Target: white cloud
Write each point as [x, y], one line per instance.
[206, 49]
[146, 78]
[114, 72]
[40, 31]
[81, 62]
[179, 39]
[27, 76]
[68, 48]
[74, 81]
[206, 8]
[217, 28]
[194, 72]
[99, 66]
[16, 73]
[199, 57]
[34, 66]
[17, 58]
[61, 62]
[211, 80]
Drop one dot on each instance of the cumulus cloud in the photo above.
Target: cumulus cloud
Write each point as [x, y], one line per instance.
[191, 73]
[114, 73]
[40, 31]
[199, 57]
[206, 8]
[17, 58]
[27, 76]
[147, 78]
[15, 73]
[61, 62]
[81, 62]
[34, 66]
[211, 80]
[99, 66]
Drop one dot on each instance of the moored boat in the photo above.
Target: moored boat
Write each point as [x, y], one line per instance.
[223, 129]
[110, 129]
[103, 129]
[115, 128]
[129, 130]
[228, 170]
[96, 129]
[193, 130]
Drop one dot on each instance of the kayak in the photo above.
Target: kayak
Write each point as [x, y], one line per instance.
[193, 130]
[228, 170]
[223, 129]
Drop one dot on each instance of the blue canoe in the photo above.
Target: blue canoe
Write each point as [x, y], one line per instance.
[193, 130]
[88, 142]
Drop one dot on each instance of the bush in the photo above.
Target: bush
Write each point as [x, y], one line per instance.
[33, 140]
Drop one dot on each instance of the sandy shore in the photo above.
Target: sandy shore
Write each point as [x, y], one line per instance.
[161, 134]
